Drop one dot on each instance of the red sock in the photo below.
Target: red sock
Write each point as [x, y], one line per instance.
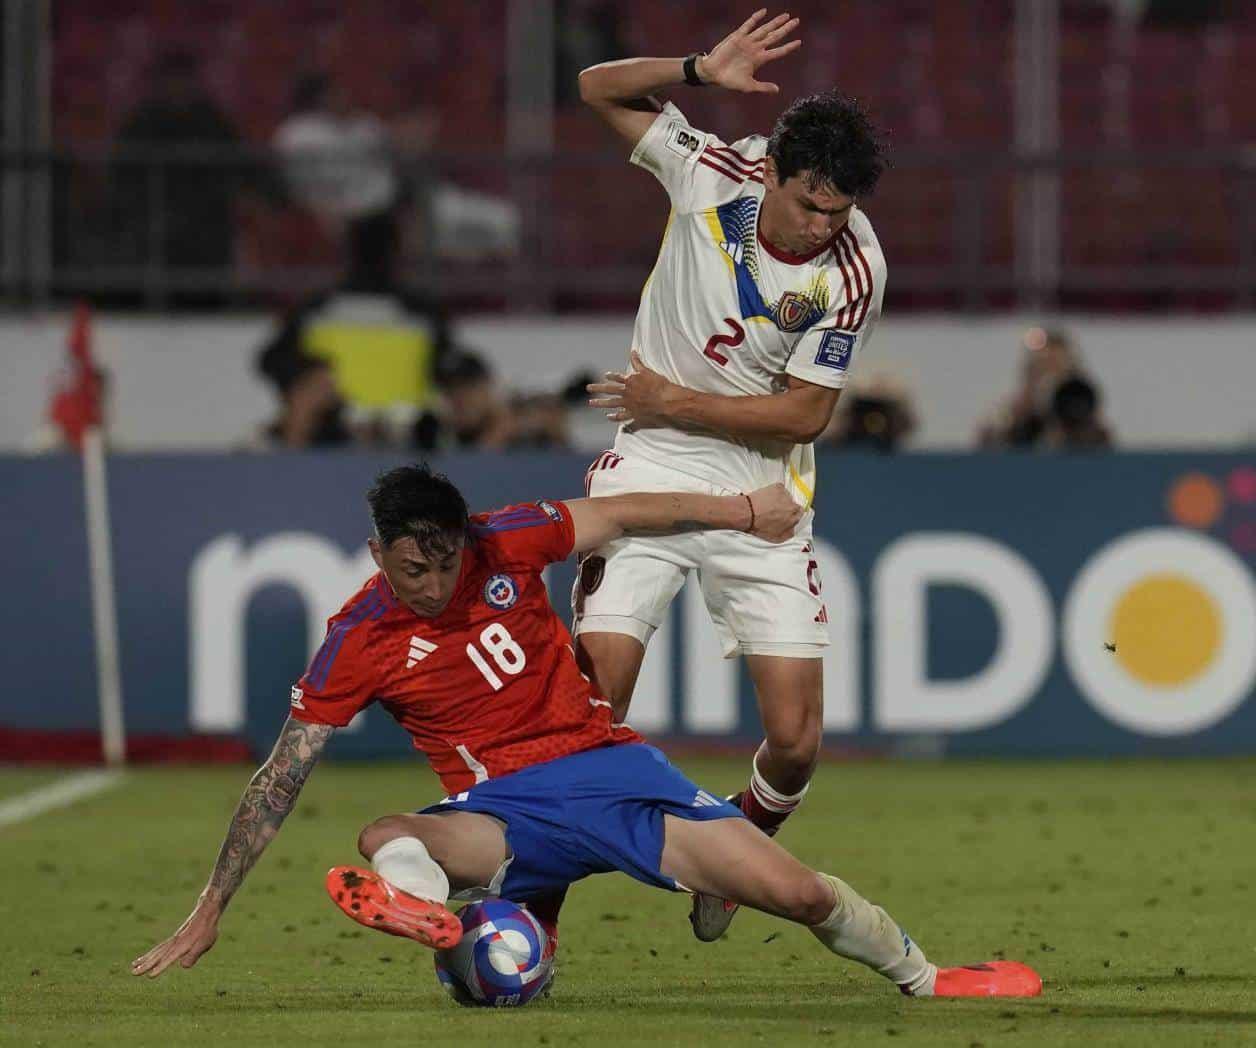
[765, 807]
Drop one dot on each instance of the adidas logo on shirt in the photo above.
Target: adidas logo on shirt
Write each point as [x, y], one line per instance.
[420, 649]
[702, 799]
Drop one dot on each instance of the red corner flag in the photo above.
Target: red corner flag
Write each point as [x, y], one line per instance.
[76, 404]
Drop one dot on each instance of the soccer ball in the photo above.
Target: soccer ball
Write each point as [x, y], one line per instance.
[503, 960]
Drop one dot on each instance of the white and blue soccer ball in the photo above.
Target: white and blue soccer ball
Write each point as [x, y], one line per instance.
[503, 960]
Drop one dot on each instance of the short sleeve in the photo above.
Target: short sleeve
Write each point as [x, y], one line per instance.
[669, 150]
[825, 354]
[342, 678]
[531, 533]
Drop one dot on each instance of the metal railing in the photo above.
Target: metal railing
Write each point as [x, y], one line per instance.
[152, 228]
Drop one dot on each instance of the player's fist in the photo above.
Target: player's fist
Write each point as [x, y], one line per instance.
[776, 514]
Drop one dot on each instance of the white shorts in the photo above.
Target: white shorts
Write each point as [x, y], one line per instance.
[764, 597]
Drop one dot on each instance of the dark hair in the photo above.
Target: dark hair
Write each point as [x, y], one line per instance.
[461, 367]
[831, 138]
[414, 502]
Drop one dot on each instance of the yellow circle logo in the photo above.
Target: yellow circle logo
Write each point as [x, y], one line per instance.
[1157, 631]
[1167, 630]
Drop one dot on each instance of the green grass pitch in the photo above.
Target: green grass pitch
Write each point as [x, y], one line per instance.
[1131, 886]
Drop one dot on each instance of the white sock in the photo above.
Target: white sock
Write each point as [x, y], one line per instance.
[404, 863]
[866, 933]
[769, 796]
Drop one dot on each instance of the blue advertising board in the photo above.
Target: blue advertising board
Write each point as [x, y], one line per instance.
[998, 604]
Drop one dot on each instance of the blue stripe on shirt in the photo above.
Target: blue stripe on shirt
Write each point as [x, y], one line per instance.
[320, 668]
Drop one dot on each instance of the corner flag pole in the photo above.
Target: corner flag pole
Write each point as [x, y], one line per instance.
[104, 609]
[77, 409]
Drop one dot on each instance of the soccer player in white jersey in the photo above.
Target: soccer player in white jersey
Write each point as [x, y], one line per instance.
[767, 287]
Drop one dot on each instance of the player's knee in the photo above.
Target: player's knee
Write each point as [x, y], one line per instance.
[806, 899]
[796, 747]
[380, 832]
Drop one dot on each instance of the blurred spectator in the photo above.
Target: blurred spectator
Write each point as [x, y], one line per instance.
[337, 159]
[1023, 420]
[476, 412]
[1074, 422]
[311, 411]
[875, 413]
[442, 220]
[184, 207]
[382, 341]
[540, 420]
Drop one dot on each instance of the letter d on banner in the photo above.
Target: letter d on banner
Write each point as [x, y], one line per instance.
[906, 700]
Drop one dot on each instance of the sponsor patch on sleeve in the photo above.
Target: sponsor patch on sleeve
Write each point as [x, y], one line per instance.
[683, 139]
[835, 350]
[551, 511]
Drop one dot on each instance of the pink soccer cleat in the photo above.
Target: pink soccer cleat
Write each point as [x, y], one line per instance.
[993, 979]
[370, 900]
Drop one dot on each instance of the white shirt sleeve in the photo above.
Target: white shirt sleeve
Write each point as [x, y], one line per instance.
[825, 354]
[669, 150]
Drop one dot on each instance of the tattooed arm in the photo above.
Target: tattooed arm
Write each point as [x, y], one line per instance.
[770, 513]
[268, 798]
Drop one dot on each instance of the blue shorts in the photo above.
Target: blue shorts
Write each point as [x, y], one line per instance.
[592, 812]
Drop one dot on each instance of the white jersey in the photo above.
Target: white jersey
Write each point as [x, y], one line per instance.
[725, 312]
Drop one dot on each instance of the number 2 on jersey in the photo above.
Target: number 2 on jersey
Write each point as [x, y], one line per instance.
[497, 641]
[735, 339]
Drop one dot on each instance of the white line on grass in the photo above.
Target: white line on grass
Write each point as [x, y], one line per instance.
[65, 791]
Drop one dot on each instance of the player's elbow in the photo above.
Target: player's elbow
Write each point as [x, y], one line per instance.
[808, 430]
[806, 426]
[810, 417]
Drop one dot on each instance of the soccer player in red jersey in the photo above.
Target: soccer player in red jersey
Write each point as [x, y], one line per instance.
[456, 638]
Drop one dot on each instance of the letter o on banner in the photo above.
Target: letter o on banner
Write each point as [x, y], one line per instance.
[1159, 632]
[906, 699]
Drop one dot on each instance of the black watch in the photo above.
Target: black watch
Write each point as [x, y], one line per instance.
[691, 69]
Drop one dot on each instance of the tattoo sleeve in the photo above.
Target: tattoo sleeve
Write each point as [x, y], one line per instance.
[270, 795]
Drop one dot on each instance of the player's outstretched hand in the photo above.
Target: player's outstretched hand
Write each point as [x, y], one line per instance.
[733, 62]
[775, 513]
[195, 936]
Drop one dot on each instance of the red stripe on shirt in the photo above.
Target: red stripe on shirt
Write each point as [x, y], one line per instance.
[723, 171]
[735, 160]
[853, 241]
[854, 305]
[841, 264]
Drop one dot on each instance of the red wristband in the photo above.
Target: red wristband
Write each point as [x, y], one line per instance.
[750, 503]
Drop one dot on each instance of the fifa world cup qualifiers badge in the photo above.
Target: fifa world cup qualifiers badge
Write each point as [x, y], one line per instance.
[501, 592]
[835, 349]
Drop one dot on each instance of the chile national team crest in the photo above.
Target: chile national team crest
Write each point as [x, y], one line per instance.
[501, 592]
[792, 311]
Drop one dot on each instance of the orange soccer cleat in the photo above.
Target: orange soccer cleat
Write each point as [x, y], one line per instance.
[993, 979]
[370, 900]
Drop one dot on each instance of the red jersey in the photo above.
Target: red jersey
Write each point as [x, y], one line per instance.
[487, 687]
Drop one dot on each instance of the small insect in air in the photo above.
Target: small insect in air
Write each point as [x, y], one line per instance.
[1109, 645]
